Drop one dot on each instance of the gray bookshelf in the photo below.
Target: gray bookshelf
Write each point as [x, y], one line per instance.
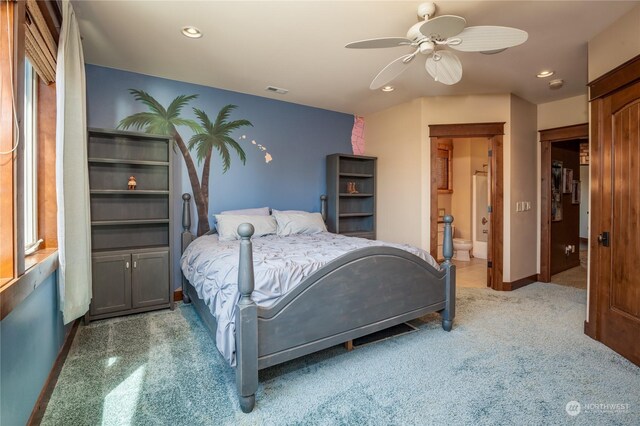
[352, 214]
[130, 229]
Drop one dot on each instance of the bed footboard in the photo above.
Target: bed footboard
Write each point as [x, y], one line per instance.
[449, 311]
[186, 238]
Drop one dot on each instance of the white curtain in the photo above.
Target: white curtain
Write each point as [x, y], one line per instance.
[72, 178]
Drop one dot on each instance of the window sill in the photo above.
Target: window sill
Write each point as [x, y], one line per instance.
[39, 266]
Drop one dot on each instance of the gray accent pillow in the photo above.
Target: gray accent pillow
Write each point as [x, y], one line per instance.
[227, 225]
[299, 223]
[262, 211]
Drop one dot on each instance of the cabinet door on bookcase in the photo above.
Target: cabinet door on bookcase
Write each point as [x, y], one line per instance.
[150, 279]
[111, 276]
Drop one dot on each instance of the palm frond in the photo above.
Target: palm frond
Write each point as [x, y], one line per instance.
[236, 146]
[138, 121]
[161, 127]
[191, 124]
[227, 128]
[197, 139]
[202, 150]
[226, 157]
[224, 114]
[204, 120]
[148, 100]
[173, 111]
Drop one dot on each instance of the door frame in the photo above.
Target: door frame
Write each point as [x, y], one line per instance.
[547, 138]
[601, 88]
[494, 132]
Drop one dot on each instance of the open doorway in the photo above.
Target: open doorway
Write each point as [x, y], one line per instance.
[463, 192]
[564, 206]
[479, 187]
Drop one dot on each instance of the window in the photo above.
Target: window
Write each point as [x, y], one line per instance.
[31, 240]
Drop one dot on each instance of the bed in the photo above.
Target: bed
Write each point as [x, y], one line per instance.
[362, 291]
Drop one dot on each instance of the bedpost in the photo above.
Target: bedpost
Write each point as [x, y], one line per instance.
[323, 207]
[187, 238]
[449, 311]
[246, 325]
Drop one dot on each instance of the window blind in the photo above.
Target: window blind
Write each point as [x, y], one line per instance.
[40, 45]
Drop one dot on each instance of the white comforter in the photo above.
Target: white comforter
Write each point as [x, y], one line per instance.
[280, 264]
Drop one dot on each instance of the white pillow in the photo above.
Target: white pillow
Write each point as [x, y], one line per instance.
[227, 225]
[299, 223]
[262, 211]
[287, 211]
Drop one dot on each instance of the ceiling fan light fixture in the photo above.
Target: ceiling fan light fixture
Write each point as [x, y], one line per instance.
[493, 52]
[545, 74]
[388, 88]
[191, 32]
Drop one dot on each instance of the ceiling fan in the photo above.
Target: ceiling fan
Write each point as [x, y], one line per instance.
[430, 36]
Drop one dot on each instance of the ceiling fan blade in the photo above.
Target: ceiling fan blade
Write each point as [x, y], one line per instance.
[487, 38]
[376, 43]
[443, 27]
[391, 71]
[444, 67]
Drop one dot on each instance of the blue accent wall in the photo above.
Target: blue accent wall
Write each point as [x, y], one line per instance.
[297, 137]
[30, 338]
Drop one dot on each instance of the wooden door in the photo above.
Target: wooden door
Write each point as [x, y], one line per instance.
[617, 227]
[111, 283]
[150, 279]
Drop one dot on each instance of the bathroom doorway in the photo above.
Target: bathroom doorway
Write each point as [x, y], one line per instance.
[484, 192]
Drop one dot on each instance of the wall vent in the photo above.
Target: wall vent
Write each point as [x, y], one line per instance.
[278, 90]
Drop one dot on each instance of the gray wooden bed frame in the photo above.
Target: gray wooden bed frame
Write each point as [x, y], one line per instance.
[346, 299]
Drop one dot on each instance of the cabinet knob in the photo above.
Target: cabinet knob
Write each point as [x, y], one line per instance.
[126, 265]
[135, 264]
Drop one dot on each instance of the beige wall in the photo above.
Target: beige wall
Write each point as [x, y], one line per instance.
[394, 136]
[523, 177]
[399, 137]
[565, 112]
[615, 45]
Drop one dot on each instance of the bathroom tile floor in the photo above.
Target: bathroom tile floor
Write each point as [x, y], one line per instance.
[472, 273]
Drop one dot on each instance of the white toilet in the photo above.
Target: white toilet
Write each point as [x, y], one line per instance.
[461, 249]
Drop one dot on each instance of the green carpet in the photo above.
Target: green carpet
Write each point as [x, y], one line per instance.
[512, 358]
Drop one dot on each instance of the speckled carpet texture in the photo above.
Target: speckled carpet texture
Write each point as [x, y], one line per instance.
[512, 358]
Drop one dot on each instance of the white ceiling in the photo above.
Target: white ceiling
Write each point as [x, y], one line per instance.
[299, 45]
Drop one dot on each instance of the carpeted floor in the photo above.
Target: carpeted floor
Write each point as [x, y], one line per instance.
[512, 358]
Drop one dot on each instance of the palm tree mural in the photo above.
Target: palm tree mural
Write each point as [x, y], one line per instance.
[216, 135]
[165, 121]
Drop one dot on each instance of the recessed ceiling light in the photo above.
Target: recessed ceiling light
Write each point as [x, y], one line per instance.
[191, 32]
[388, 89]
[545, 74]
[556, 84]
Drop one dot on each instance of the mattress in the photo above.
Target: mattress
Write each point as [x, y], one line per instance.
[280, 264]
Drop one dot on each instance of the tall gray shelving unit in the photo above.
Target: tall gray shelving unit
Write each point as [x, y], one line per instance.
[352, 214]
[130, 229]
